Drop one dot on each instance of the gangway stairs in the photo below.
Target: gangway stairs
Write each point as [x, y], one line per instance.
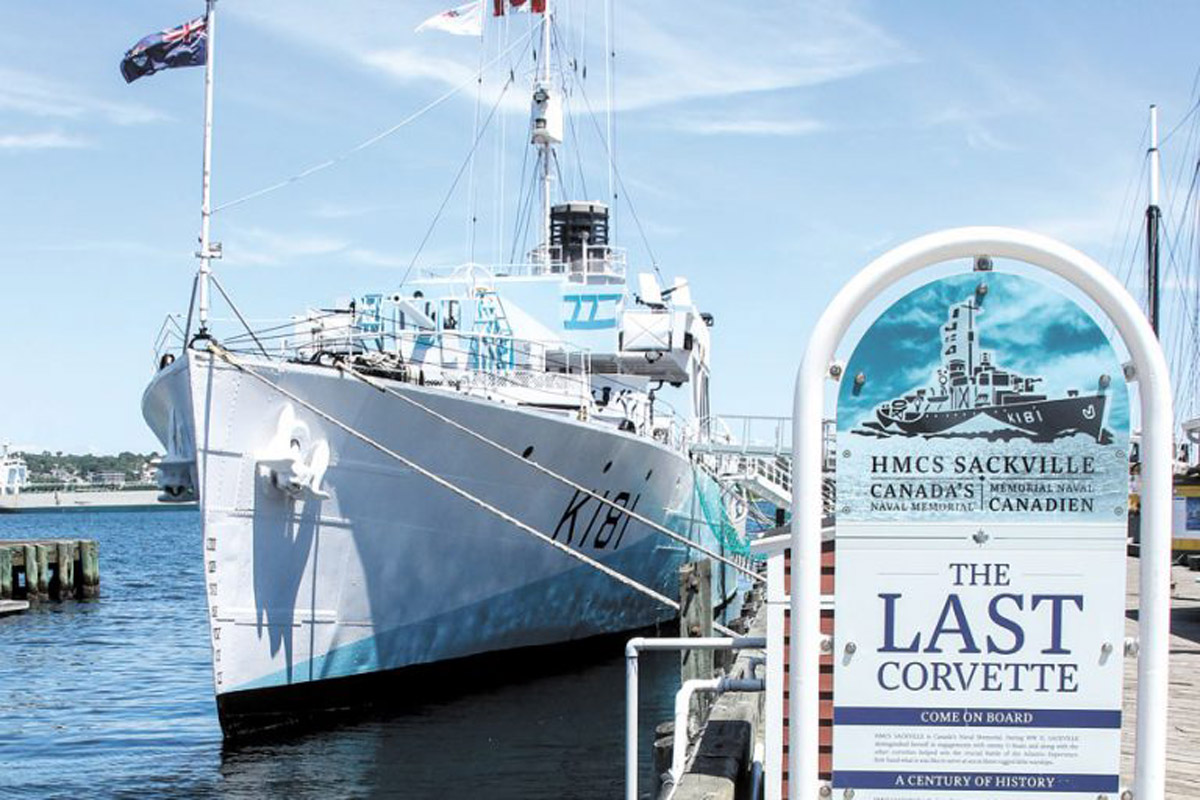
[754, 454]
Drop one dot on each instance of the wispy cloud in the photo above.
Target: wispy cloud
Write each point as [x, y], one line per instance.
[410, 65]
[1093, 221]
[986, 98]
[114, 246]
[668, 57]
[261, 247]
[328, 210]
[747, 126]
[664, 56]
[45, 140]
[34, 95]
[371, 258]
[976, 127]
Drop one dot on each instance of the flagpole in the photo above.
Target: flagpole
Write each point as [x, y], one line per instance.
[205, 253]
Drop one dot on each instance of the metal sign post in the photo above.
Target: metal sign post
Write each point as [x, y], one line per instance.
[967, 377]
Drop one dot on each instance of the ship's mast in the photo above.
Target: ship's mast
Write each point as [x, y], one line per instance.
[546, 124]
[207, 251]
[1153, 216]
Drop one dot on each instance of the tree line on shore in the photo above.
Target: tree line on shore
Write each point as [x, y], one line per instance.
[47, 466]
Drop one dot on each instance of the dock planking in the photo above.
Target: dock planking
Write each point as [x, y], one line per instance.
[1183, 696]
[47, 569]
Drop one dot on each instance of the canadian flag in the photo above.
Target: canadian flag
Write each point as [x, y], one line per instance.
[532, 6]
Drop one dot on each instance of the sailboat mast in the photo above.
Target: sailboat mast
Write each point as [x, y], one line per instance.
[205, 253]
[1153, 217]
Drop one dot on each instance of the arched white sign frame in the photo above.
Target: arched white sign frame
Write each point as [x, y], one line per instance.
[1154, 392]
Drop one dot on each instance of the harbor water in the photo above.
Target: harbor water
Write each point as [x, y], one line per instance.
[113, 698]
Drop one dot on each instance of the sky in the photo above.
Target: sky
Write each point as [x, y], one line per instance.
[765, 151]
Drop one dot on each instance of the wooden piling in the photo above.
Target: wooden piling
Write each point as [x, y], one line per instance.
[89, 568]
[696, 620]
[42, 554]
[6, 574]
[57, 569]
[65, 571]
[29, 552]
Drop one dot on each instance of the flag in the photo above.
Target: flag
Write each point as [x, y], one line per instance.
[533, 6]
[185, 46]
[465, 20]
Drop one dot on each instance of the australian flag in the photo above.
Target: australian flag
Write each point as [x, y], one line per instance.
[185, 46]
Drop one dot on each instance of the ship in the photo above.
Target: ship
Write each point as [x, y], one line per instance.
[19, 495]
[481, 460]
[970, 385]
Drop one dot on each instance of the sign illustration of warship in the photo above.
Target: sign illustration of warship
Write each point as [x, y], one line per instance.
[971, 385]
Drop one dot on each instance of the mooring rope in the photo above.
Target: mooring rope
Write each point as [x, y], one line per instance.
[344, 367]
[625, 580]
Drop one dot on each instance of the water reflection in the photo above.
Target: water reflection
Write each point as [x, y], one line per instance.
[113, 698]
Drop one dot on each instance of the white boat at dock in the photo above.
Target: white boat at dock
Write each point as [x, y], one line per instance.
[481, 459]
[19, 495]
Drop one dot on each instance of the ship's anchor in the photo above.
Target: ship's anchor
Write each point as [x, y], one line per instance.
[175, 475]
[292, 462]
[1089, 412]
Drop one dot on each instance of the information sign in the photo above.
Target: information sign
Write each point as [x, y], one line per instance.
[983, 432]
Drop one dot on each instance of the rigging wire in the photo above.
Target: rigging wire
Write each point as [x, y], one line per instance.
[621, 183]
[472, 216]
[371, 141]
[1129, 204]
[609, 143]
[498, 204]
[524, 206]
[225, 356]
[1182, 311]
[344, 367]
[1190, 112]
[572, 130]
[454, 184]
[460, 492]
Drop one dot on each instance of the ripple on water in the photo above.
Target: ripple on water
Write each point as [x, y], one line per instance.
[113, 698]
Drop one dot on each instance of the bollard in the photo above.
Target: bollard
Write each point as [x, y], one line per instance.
[89, 568]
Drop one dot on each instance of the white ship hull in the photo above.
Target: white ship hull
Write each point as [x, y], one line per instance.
[391, 570]
[86, 500]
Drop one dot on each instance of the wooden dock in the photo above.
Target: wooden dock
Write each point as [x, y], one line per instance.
[50, 569]
[1183, 703]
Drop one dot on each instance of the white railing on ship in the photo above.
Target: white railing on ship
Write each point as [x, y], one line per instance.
[750, 433]
[552, 366]
[763, 435]
[597, 260]
[169, 338]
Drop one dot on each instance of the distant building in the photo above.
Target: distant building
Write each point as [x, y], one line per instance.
[108, 478]
[150, 471]
[61, 475]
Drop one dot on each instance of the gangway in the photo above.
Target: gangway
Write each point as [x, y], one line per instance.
[753, 453]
